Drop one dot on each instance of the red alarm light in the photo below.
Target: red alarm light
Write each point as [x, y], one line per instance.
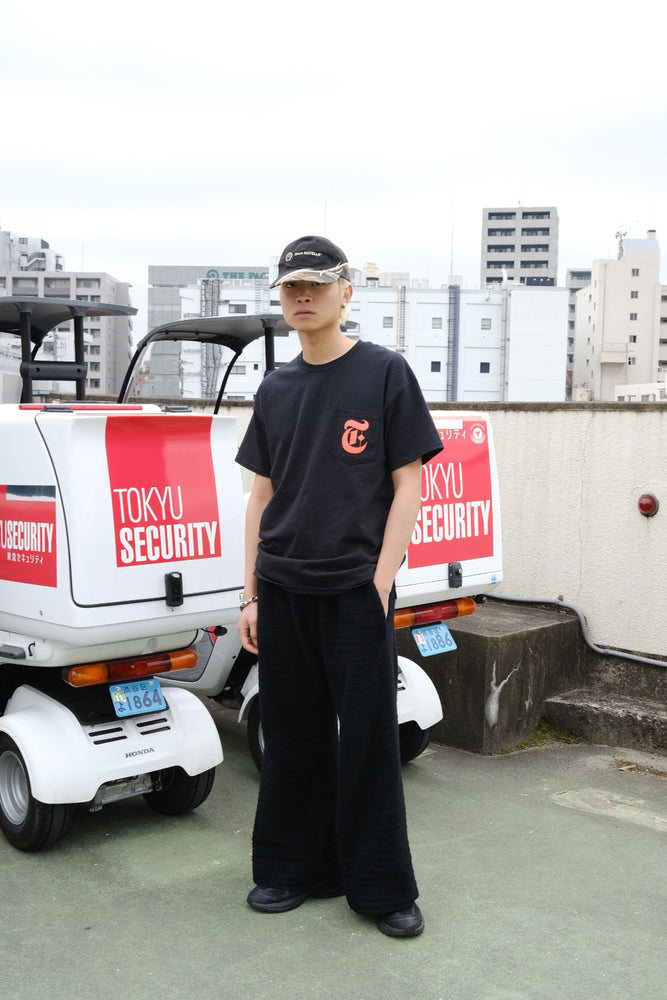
[648, 504]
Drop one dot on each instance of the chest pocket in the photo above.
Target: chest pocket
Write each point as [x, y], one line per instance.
[356, 437]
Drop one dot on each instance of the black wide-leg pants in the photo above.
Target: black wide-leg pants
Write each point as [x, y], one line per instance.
[331, 806]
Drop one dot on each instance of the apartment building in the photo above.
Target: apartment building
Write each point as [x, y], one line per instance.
[619, 319]
[107, 339]
[519, 244]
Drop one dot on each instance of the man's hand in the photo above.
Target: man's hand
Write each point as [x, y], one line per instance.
[248, 628]
[383, 594]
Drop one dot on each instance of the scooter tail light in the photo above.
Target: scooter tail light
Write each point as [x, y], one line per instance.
[130, 669]
[425, 613]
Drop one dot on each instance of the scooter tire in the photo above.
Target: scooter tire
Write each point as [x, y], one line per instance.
[413, 740]
[178, 792]
[27, 824]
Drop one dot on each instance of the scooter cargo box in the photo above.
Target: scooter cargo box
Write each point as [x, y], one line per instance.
[119, 526]
[455, 549]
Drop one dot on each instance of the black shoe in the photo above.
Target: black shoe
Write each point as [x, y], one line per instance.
[267, 900]
[404, 923]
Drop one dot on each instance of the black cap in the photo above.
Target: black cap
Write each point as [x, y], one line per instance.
[312, 258]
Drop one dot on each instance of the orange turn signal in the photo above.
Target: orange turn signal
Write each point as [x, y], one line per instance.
[112, 671]
[425, 613]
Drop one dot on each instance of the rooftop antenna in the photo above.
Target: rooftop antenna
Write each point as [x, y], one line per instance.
[619, 236]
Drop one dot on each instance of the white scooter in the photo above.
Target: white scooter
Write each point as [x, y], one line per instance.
[119, 542]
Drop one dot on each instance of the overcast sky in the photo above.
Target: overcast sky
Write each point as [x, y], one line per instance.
[139, 133]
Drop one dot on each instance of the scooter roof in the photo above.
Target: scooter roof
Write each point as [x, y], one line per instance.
[43, 314]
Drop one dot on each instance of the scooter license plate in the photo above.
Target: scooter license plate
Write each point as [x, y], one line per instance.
[432, 639]
[137, 697]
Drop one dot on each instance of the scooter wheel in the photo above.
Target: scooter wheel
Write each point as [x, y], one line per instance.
[413, 740]
[176, 792]
[26, 823]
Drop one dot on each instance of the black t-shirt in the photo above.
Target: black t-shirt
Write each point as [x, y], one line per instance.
[328, 437]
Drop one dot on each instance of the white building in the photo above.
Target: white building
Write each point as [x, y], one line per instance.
[504, 343]
[520, 244]
[575, 279]
[619, 322]
[107, 339]
[27, 253]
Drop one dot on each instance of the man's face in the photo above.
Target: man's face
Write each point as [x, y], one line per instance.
[309, 306]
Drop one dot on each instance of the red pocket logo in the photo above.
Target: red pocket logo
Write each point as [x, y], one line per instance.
[354, 440]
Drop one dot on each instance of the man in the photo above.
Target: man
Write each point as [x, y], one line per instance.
[336, 443]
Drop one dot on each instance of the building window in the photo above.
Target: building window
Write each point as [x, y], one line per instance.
[633, 316]
[87, 282]
[501, 232]
[502, 215]
[486, 323]
[632, 361]
[94, 366]
[632, 338]
[635, 272]
[436, 366]
[484, 367]
[388, 322]
[238, 370]
[238, 308]
[634, 294]
[536, 215]
[436, 323]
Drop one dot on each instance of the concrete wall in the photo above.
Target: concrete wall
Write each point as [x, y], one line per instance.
[570, 478]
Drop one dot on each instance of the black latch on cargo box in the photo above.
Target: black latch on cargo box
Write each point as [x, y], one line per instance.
[173, 583]
[455, 575]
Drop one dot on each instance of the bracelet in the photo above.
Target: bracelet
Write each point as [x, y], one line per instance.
[251, 600]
